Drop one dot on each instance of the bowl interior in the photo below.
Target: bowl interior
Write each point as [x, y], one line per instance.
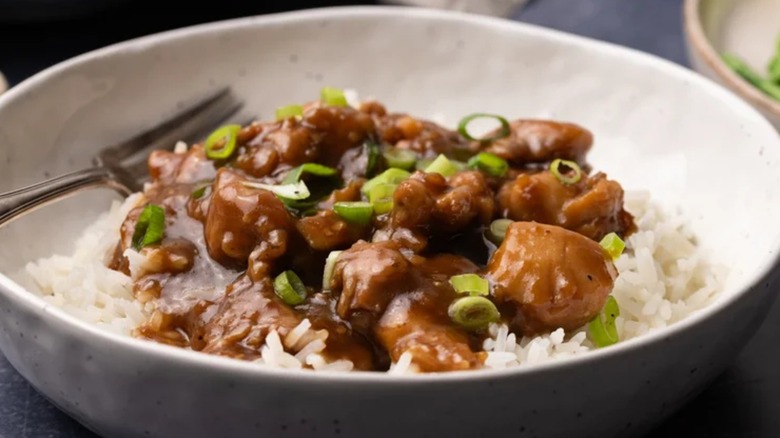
[658, 127]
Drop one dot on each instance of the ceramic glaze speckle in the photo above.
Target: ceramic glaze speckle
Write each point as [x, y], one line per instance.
[680, 127]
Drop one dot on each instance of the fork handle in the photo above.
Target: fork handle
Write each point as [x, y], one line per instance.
[18, 202]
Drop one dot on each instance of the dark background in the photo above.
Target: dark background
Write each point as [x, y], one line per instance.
[743, 402]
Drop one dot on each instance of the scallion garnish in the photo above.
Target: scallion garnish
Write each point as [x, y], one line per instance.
[471, 284]
[381, 197]
[497, 230]
[221, 143]
[333, 97]
[371, 150]
[330, 265]
[473, 313]
[504, 130]
[294, 191]
[354, 212]
[389, 176]
[559, 169]
[773, 68]
[288, 111]
[741, 68]
[442, 165]
[400, 158]
[295, 174]
[491, 164]
[289, 287]
[199, 192]
[150, 227]
[423, 163]
[602, 330]
[613, 244]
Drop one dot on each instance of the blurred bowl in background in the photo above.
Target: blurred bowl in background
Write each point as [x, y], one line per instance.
[747, 28]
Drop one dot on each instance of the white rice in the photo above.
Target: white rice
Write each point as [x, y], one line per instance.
[662, 279]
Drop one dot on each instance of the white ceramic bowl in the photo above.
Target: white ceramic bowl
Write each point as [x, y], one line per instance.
[657, 126]
[747, 28]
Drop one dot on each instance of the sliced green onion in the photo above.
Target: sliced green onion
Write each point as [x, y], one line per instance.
[774, 69]
[497, 230]
[150, 227]
[296, 191]
[471, 284]
[613, 244]
[774, 64]
[473, 313]
[333, 97]
[572, 176]
[354, 212]
[330, 265]
[389, 176]
[747, 73]
[371, 150]
[289, 111]
[602, 330]
[400, 158]
[464, 123]
[295, 174]
[442, 165]
[289, 287]
[221, 143]
[199, 192]
[489, 163]
[381, 197]
[423, 163]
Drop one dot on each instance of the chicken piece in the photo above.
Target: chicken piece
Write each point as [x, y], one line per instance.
[427, 205]
[337, 130]
[592, 207]
[167, 167]
[242, 320]
[417, 323]
[426, 138]
[366, 277]
[552, 277]
[540, 141]
[386, 296]
[240, 324]
[326, 231]
[243, 221]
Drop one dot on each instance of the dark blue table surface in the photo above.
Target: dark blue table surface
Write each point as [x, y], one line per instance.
[743, 402]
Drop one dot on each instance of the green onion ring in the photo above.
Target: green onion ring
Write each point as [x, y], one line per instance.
[381, 197]
[497, 230]
[602, 330]
[389, 176]
[566, 179]
[464, 122]
[489, 163]
[400, 158]
[472, 284]
[443, 166]
[289, 287]
[150, 227]
[473, 313]
[296, 191]
[333, 97]
[330, 265]
[286, 112]
[613, 245]
[354, 212]
[221, 143]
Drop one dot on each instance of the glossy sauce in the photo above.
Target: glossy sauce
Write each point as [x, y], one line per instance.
[211, 277]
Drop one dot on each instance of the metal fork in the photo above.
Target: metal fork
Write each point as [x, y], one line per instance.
[123, 166]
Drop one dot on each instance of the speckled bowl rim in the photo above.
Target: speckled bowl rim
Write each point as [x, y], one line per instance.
[701, 44]
[241, 369]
